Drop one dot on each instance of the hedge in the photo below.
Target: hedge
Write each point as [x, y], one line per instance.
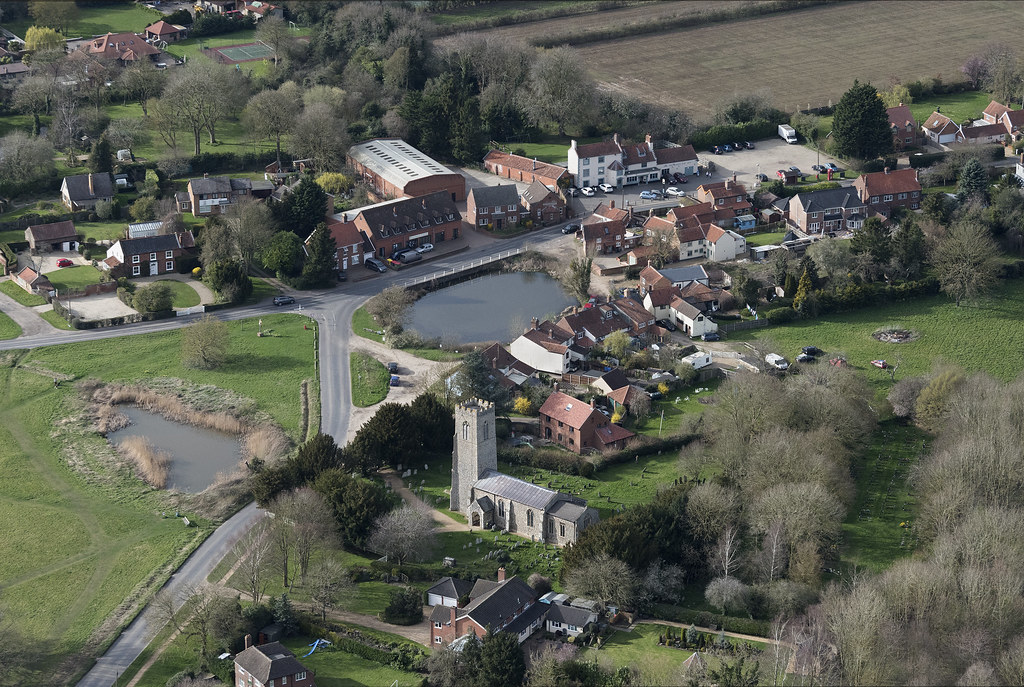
[727, 133]
[986, 153]
[548, 459]
[747, 626]
[395, 654]
[231, 162]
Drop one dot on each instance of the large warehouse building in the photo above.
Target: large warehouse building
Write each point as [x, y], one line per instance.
[394, 169]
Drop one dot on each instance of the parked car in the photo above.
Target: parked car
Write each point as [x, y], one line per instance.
[739, 145]
[649, 195]
[375, 264]
[831, 166]
[607, 188]
[64, 262]
[812, 350]
[342, 275]
[392, 367]
[395, 381]
[781, 174]
[679, 178]
[570, 228]
[717, 150]
[675, 192]
[587, 191]
[804, 358]
[666, 324]
[654, 395]
[777, 361]
[710, 336]
[727, 147]
[410, 256]
[572, 191]
[283, 300]
[749, 144]
[817, 168]
[762, 177]
[425, 248]
[794, 169]
[399, 252]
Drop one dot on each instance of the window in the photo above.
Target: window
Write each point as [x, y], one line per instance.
[136, 271]
[300, 676]
[437, 640]
[643, 164]
[874, 199]
[501, 509]
[485, 431]
[901, 196]
[273, 683]
[169, 265]
[601, 159]
[529, 518]
[152, 256]
[573, 628]
[586, 173]
[135, 259]
[561, 529]
[908, 140]
[465, 430]
[914, 194]
[556, 623]
[511, 208]
[184, 206]
[814, 215]
[168, 254]
[888, 197]
[482, 221]
[551, 526]
[437, 624]
[814, 226]
[600, 170]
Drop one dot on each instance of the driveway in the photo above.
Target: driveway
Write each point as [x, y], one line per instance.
[98, 307]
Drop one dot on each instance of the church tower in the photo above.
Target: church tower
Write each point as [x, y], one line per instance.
[476, 449]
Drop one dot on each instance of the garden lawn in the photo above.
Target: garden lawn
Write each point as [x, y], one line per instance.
[97, 20]
[765, 239]
[675, 406]
[54, 319]
[182, 295]
[552, 149]
[19, 294]
[102, 231]
[74, 278]
[956, 106]
[639, 648]
[370, 379]
[9, 329]
[335, 668]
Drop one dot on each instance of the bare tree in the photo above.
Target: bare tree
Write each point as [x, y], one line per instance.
[273, 31]
[605, 579]
[250, 228]
[320, 135]
[774, 552]
[313, 524]
[779, 652]
[965, 261]
[328, 584]
[142, 81]
[711, 508]
[254, 552]
[727, 593]
[561, 89]
[725, 557]
[273, 112]
[406, 533]
[202, 95]
[165, 117]
[192, 617]
[67, 121]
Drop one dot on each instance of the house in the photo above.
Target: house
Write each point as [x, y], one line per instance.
[883, 191]
[149, 256]
[270, 665]
[258, 10]
[579, 426]
[82, 191]
[546, 347]
[162, 31]
[624, 397]
[651, 279]
[14, 72]
[489, 498]
[408, 222]
[903, 127]
[212, 195]
[524, 169]
[217, 6]
[681, 276]
[618, 162]
[567, 621]
[32, 281]
[124, 47]
[447, 591]
[495, 207]
[607, 231]
[591, 325]
[982, 134]
[632, 311]
[690, 319]
[658, 301]
[58, 236]
[828, 211]
[508, 605]
[353, 246]
[610, 381]
[392, 168]
[940, 129]
[510, 372]
[701, 296]
[725, 194]
[1011, 120]
[542, 205]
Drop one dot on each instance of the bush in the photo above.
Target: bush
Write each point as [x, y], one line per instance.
[210, 24]
[152, 298]
[780, 315]
[227, 162]
[749, 626]
[405, 607]
[727, 133]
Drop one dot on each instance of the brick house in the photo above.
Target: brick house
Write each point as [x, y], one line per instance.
[940, 129]
[883, 191]
[353, 246]
[579, 426]
[542, 205]
[997, 113]
[903, 126]
[124, 47]
[523, 169]
[32, 281]
[83, 191]
[57, 236]
[212, 195]
[392, 168]
[508, 605]
[607, 230]
[494, 206]
[408, 222]
[149, 256]
[270, 665]
[831, 210]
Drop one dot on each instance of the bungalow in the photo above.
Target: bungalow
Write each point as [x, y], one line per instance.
[83, 191]
[58, 236]
[542, 205]
[268, 665]
[883, 191]
[903, 127]
[831, 210]
[149, 256]
[524, 169]
[548, 347]
[162, 31]
[579, 426]
[508, 605]
[124, 47]
[982, 135]
[610, 381]
[494, 207]
[681, 276]
[353, 246]
[569, 621]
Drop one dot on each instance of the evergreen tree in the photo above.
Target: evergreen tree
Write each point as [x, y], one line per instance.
[908, 248]
[803, 291]
[389, 437]
[433, 423]
[860, 126]
[972, 182]
[790, 286]
[356, 503]
[501, 660]
[807, 265]
[284, 614]
[318, 270]
[101, 159]
[467, 135]
[305, 207]
[872, 238]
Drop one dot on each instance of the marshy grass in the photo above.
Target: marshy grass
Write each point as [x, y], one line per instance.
[169, 407]
[152, 465]
[264, 443]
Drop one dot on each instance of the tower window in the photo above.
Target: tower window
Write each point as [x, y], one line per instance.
[465, 430]
[485, 431]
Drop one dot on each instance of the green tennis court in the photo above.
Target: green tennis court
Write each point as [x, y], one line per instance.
[245, 53]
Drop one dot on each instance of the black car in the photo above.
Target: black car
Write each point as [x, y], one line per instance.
[710, 336]
[392, 368]
[739, 145]
[750, 145]
[812, 350]
[283, 300]
[375, 264]
[666, 324]
[806, 358]
[570, 228]
[342, 275]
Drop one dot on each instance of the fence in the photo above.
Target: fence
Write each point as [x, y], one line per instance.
[194, 310]
[746, 324]
[476, 264]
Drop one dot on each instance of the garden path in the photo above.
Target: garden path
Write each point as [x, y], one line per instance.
[447, 523]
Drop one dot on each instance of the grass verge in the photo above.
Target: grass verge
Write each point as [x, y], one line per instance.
[9, 329]
[182, 295]
[55, 320]
[370, 379]
[21, 295]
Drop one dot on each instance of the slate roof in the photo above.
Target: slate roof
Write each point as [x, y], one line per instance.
[78, 186]
[490, 196]
[409, 215]
[269, 662]
[599, 322]
[14, 68]
[536, 192]
[515, 489]
[52, 232]
[451, 587]
[611, 433]
[819, 201]
[481, 587]
[615, 378]
[983, 131]
[564, 408]
[497, 605]
[210, 185]
[441, 614]
[685, 274]
[485, 503]
[527, 618]
[156, 244]
[580, 617]
[568, 510]
[596, 149]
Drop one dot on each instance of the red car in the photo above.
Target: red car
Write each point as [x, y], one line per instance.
[64, 262]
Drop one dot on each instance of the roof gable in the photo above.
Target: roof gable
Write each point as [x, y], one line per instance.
[564, 408]
[488, 196]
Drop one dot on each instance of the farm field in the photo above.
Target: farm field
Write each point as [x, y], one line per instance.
[506, 8]
[694, 79]
[93, 21]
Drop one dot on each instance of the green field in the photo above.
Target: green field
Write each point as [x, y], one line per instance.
[370, 379]
[72, 278]
[666, 416]
[93, 21]
[19, 294]
[9, 329]
[765, 239]
[182, 295]
[341, 669]
[639, 648]
[506, 8]
[190, 48]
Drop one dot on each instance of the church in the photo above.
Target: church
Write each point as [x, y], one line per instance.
[489, 498]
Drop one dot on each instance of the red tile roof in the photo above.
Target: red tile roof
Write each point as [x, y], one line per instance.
[345, 234]
[680, 154]
[1016, 117]
[525, 164]
[124, 46]
[996, 109]
[662, 297]
[597, 149]
[545, 341]
[564, 408]
[983, 131]
[162, 28]
[940, 124]
[637, 153]
[610, 434]
[610, 212]
[653, 279]
[888, 183]
[900, 116]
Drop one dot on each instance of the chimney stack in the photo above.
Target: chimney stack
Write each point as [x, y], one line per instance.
[555, 387]
[534, 323]
[91, 191]
[248, 641]
[501, 574]
[613, 205]
[647, 138]
[453, 617]
[728, 184]
[206, 175]
[886, 170]
[616, 139]
[534, 163]
[593, 403]
[734, 177]
[423, 203]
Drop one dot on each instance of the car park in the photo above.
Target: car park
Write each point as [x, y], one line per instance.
[570, 228]
[675, 192]
[710, 336]
[283, 300]
[587, 191]
[666, 324]
[375, 264]
[425, 248]
[749, 144]
[64, 262]
[607, 188]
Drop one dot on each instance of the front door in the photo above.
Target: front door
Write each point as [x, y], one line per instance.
[154, 268]
[498, 223]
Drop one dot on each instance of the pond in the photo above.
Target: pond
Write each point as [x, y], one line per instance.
[496, 307]
[197, 454]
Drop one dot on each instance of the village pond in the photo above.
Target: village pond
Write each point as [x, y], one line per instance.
[496, 307]
[197, 455]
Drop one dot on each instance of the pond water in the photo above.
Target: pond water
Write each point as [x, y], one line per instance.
[496, 307]
[197, 455]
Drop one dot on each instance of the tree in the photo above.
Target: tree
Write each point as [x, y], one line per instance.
[772, 558]
[321, 261]
[616, 343]
[405, 606]
[335, 182]
[966, 263]
[24, 159]
[405, 533]
[355, 502]
[281, 536]
[143, 209]
[273, 32]
[804, 292]
[193, 619]
[560, 88]
[577, 278]
[165, 117]
[304, 208]
[908, 249]
[897, 95]
[872, 239]
[320, 135]
[976, 70]
[604, 579]
[283, 254]
[664, 244]
[735, 674]
[433, 421]
[710, 509]
[142, 81]
[806, 125]
[932, 404]
[229, 280]
[125, 133]
[387, 438]
[152, 298]
[725, 557]
[251, 227]
[972, 181]
[467, 139]
[328, 584]
[727, 593]
[388, 308]
[476, 379]
[501, 660]
[67, 121]
[309, 517]
[747, 287]
[860, 126]
[202, 96]
[57, 15]
[284, 614]
[253, 552]
[216, 242]
[272, 113]
[204, 344]
[39, 38]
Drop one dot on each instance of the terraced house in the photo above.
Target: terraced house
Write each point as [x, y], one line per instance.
[408, 222]
[496, 207]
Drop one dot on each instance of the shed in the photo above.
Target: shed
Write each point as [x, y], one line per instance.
[57, 236]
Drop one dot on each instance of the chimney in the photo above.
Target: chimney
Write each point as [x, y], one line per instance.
[734, 177]
[616, 139]
[534, 323]
[206, 175]
[248, 641]
[647, 138]
[534, 163]
[91, 191]
[501, 574]
[593, 403]
[394, 211]
[555, 387]
[453, 617]
[572, 144]
[886, 170]
[613, 205]
[423, 203]
[728, 184]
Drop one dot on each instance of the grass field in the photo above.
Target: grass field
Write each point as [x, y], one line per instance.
[765, 239]
[21, 295]
[93, 21]
[190, 48]
[370, 379]
[957, 106]
[667, 414]
[506, 8]
[639, 648]
[9, 329]
[54, 319]
[76, 277]
[98, 231]
[717, 59]
[552, 149]
[182, 295]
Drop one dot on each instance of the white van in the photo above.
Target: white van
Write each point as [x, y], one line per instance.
[777, 361]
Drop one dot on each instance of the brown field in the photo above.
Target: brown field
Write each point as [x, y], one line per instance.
[806, 57]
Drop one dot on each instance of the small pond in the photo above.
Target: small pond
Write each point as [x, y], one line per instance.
[197, 454]
[496, 307]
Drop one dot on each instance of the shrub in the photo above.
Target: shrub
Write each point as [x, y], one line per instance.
[405, 607]
[780, 315]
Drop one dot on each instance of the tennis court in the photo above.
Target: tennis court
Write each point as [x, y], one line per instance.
[245, 53]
